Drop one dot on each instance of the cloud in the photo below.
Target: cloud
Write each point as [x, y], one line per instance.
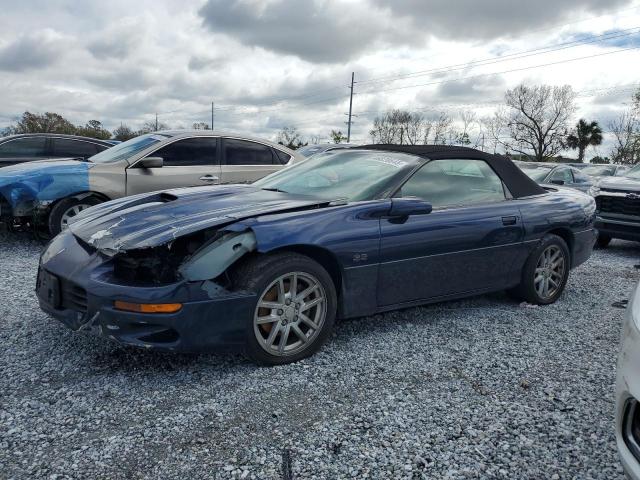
[130, 78]
[33, 51]
[491, 19]
[472, 90]
[117, 41]
[269, 63]
[319, 31]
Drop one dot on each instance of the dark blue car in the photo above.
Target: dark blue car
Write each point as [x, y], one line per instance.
[267, 268]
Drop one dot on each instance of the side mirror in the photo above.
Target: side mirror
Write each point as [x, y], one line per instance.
[404, 207]
[557, 182]
[150, 162]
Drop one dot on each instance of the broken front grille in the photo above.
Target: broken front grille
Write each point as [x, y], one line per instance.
[618, 205]
[72, 296]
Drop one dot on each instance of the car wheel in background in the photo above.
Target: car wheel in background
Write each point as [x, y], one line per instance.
[64, 211]
[603, 241]
[545, 272]
[295, 307]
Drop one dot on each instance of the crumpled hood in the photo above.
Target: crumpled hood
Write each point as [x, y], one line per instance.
[620, 183]
[153, 219]
[43, 180]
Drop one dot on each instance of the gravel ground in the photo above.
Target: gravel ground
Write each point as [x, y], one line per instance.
[481, 388]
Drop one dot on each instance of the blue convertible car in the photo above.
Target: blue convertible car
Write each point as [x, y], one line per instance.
[267, 268]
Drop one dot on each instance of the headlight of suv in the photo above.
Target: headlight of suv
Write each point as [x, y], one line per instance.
[594, 190]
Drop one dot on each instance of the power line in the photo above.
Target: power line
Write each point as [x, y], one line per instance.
[513, 56]
[556, 26]
[602, 38]
[439, 82]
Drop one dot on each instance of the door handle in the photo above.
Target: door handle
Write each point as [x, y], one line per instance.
[511, 220]
[209, 178]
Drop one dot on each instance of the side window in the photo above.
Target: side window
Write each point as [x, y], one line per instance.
[283, 158]
[65, 147]
[563, 174]
[580, 177]
[24, 147]
[455, 182]
[189, 152]
[242, 152]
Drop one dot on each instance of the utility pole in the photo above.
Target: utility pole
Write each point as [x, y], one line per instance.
[212, 115]
[350, 109]
[156, 121]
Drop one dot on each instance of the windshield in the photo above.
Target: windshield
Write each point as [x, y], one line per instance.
[127, 149]
[634, 172]
[537, 173]
[312, 149]
[353, 175]
[599, 171]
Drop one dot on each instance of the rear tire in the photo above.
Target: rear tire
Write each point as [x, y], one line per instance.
[545, 272]
[65, 210]
[603, 241]
[289, 322]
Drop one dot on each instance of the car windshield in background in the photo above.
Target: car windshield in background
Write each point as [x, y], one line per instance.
[536, 173]
[126, 149]
[634, 172]
[350, 175]
[311, 150]
[599, 171]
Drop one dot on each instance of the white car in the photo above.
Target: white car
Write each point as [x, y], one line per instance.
[628, 389]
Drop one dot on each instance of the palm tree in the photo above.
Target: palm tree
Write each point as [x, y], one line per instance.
[586, 134]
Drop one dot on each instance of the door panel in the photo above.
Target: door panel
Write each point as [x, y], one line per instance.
[469, 242]
[244, 161]
[187, 163]
[449, 251]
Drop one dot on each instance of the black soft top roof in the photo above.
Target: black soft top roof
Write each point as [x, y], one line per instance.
[518, 183]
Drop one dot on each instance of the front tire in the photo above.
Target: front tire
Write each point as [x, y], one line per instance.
[67, 208]
[295, 307]
[545, 272]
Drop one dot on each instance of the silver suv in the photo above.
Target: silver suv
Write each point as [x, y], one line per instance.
[52, 192]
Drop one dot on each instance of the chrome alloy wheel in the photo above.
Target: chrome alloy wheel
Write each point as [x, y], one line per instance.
[290, 313]
[550, 272]
[70, 213]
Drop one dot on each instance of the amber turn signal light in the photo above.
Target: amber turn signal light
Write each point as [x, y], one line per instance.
[148, 307]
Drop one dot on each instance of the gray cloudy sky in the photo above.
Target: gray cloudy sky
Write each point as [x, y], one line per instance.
[271, 63]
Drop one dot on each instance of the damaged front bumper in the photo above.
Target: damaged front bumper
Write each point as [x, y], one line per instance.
[76, 285]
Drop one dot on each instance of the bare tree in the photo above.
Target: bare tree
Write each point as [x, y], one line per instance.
[626, 131]
[290, 137]
[495, 129]
[314, 139]
[537, 120]
[442, 129]
[201, 126]
[400, 127]
[152, 126]
[468, 120]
